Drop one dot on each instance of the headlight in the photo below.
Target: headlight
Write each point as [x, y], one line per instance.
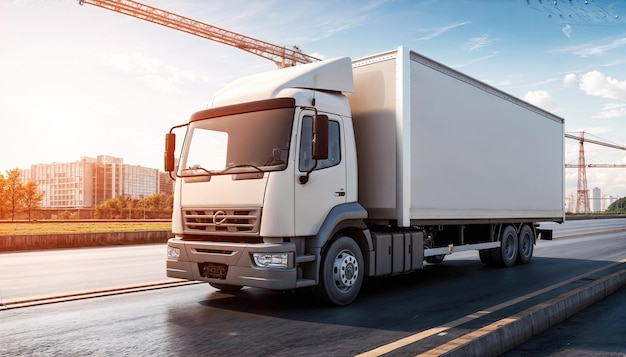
[271, 260]
[173, 253]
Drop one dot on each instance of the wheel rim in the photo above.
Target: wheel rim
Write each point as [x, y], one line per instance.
[526, 245]
[509, 247]
[345, 270]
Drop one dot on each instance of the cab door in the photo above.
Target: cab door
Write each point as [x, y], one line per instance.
[326, 184]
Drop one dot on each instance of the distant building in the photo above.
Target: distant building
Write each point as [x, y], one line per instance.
[86, 183]
[596, 204]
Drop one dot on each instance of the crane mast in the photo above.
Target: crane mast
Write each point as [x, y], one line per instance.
[281, 56]
[582, 198]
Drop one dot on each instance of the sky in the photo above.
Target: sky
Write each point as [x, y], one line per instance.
[85, 81]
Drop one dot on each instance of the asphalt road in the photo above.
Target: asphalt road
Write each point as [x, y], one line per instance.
[596, 331]
[196, 320]
[25, 274]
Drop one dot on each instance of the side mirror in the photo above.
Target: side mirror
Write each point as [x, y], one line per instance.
[170, 146]
[320, 137]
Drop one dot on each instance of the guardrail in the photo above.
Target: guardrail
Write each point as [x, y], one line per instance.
[76, 240]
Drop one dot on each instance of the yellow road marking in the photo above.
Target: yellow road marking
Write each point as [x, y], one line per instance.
[435, 330]
[469, 337]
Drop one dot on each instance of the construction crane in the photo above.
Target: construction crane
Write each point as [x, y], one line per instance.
[582, 197]
[281, 56]
[607, 165]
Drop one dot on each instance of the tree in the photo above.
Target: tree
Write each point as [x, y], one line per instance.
[158, 206]
[169, 206]
[125, 207]
[32, 197]
[14, 192]
[617, 207]
[113, 208]
[3, 198]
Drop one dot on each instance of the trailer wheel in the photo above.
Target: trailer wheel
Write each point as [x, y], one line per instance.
[506, 254]
[226, 287]
[485, 256]
[341, 274]
[526, 245]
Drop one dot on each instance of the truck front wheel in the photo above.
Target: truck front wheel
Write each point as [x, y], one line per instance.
[341, 272]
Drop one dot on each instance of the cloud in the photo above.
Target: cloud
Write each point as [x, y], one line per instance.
[567, 30]
[587, 50]
[332, 18]
[545, 81]
[542, 99]
[597, 84]
[569, 79]
[438, 31]
[151, 71]
[484, 58]
[612, 110]
[479, 42]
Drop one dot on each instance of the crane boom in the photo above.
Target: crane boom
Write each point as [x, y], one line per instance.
[592, 141]
[281, 56]
[575, 166]
[607, 165]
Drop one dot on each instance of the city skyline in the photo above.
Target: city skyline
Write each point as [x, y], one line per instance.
[89, 80]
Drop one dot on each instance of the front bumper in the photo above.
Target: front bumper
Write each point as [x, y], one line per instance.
[231, 263]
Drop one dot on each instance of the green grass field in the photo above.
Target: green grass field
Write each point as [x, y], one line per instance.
[11, 228]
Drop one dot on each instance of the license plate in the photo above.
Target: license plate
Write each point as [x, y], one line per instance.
[213, 270]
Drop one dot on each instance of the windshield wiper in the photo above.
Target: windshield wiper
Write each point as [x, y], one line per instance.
[196, 170]
[238, 166]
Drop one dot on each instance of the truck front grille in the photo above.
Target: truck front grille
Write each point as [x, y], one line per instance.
[222, 220]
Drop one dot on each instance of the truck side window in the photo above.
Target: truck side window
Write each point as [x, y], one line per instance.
[334, 152]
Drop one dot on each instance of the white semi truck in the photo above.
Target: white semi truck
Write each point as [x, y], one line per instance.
[322, 174]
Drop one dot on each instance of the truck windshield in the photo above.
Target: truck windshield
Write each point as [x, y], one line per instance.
[248, 142]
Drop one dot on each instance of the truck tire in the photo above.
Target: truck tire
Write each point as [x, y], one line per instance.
[506, 254]
[526, 245]
[485, 256]
[226, 287]
[341, 272]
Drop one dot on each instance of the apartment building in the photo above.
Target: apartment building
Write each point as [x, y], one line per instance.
[89, 181]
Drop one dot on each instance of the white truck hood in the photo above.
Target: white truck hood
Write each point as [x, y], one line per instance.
[223, 192]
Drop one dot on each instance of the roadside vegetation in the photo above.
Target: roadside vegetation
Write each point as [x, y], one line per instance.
[17, 197]
[617, 207]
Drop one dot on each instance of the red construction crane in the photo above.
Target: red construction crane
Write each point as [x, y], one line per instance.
[282, 56]
[607, 165]
[582, 197]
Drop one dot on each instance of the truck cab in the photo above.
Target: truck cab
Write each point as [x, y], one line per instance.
[266, 175]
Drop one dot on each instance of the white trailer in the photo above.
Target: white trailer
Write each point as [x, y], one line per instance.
[321, 174]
